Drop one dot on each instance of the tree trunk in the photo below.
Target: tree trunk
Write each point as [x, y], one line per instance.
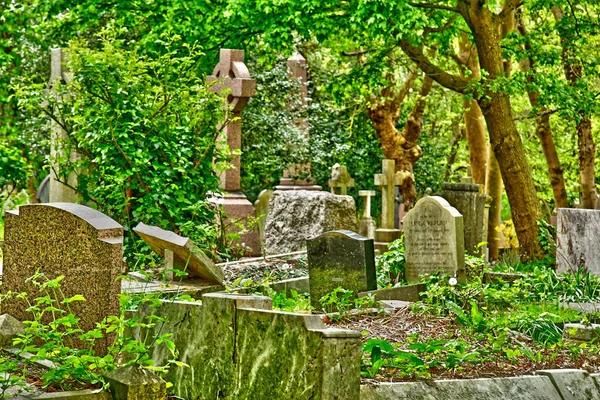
[403, 146]
[504, 137]
[585, 142]
[474, 122]
[544, 134]
[493, 188]
[457, 136]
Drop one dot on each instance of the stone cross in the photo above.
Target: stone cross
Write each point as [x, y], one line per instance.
[340, 179]
[232, 74]
[367, 194]
[386, 181]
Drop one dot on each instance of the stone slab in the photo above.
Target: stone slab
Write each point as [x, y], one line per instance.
[296, 216]
[187, 256]
[513, 388]
[434, 240]
[300, 285]
[70, 240]
[581, 333]
[577, 236]
[573, 384]
[340, 259]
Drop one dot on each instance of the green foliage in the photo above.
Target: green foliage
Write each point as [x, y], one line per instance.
[391, 265]
[53, 333]
[295, 303]
[340, 301]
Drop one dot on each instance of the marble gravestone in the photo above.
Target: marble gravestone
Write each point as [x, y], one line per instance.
[340, 259]
[434, 239]
[70, 240]
[577, 234]
[181, 252]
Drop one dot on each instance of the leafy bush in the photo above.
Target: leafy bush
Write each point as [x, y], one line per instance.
[391, 265]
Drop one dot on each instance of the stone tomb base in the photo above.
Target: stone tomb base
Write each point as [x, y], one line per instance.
[236, 207]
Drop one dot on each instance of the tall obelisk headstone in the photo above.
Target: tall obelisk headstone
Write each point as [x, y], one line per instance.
[231, 74]
[366, 225]
[297, 71]
[386, 181]
[59, 148]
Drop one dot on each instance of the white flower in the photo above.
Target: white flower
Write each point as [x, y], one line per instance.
[452, 281]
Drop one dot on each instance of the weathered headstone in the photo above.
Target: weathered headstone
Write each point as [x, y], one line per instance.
[182, 252]
[470, 200]
[577, 237]
[340, 259]
[433, 239]
[367, 223]
[297, 70]
[70, 240]
[261, 210]
[232, 79]
[386, 181]
[340, 179]
[296, 216]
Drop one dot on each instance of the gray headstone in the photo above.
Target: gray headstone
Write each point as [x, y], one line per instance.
[10, 327]
[340, 258]
[433, 239]
[470, 201]
[75, 241]
[577, 236]
[298, 215]
[186, 255]
[261, 210]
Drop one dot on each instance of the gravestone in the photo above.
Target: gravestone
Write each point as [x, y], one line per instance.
[231, 78]
[577, 234]
[340, 259]
[299, 215]
[386, 181]
[181, 253]
[433, 239]
[261, 210]
[340, 179]
[367, 223]
[297, 70]
[77, 242]
[471, 201]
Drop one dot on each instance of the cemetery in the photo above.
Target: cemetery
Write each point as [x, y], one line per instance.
[299, 201]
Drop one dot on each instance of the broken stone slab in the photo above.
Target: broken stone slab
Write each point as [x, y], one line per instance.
[586, 308]
[91, 394]
[300, 285]
[298, 215]
[513, 388]
[395, 304]
[10, 328]
[581, 333]
[186, 255]
[410, 293]
[573, 384]
[135, 382]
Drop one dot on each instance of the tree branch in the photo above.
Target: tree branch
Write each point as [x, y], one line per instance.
[443, 27]
[442, 77]
[509, 7]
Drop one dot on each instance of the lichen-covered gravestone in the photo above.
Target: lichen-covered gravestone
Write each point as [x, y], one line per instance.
[340, 259]
[433, 239]
[77, 242]
[298, 215]
[577, 235]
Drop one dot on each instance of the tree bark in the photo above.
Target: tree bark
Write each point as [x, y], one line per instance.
[585, 142]
[493, 188]
[543, 131]
[403, 146]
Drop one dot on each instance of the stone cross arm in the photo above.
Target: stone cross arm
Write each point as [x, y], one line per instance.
[231, 73]
[382, 179]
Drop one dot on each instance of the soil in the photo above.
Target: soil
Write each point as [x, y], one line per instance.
[397, 326]
[271, 270]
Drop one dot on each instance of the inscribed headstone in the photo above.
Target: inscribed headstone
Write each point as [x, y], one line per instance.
[433, 239]
[340, 259]
[77, 242]
[577, 236]
[186, 255]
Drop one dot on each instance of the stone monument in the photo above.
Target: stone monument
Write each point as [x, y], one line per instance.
[70, 240]
[386, 181]
[340, 259]
[297, 70]
[471, 201]
[299, 215]
[232, 76]
[366, 225]
[340, 179]
[577, 236]
[433, 240]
